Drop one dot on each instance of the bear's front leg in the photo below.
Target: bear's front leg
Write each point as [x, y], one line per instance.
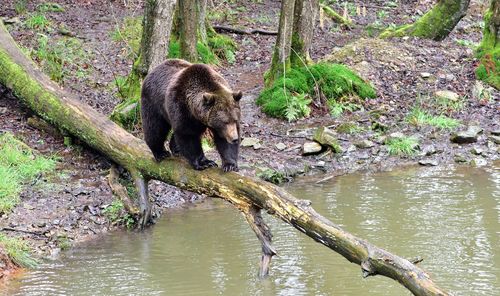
[228, 153]
[190, 148]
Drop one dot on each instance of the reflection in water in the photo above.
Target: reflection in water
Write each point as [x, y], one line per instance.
[449, 217]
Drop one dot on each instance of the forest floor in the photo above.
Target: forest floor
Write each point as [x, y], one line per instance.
[406, 72]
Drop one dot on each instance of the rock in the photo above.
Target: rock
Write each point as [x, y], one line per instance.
[13, 20]
[327, 137]
[428, 162]
[446, 95]
[477, 150]
[320, 164]
[3, 110]
[365, 144]
[249, 142]
[351, 148]
[425, 75]
[280, 146]
[293, 168]
[379, 126]
[393, 136]
[460, 158]
[494, 132]
[257, 146]
[429, 150]
[478, 162]
[467, 136]
[310, 148]
[494, 139]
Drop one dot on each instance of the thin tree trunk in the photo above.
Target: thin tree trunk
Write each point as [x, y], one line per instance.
[188, 29]
[60, 108]
[201, 5]
[281, 55]
[436, 24]
[304, 23]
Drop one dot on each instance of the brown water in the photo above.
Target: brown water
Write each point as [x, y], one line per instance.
[451, 217]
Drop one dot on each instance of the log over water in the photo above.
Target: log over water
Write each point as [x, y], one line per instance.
[63, 110]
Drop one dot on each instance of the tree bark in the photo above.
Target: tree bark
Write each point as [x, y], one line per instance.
[60, 108]
[436, 24]
[188, 22]
[296, 28]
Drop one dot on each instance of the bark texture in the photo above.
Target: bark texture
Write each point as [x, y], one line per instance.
[436, 24]
[60, 108]
[188, 21]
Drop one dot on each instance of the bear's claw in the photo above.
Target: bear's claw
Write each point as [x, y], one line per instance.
[230, 168]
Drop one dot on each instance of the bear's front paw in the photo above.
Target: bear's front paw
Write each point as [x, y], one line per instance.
[204, 164]
[230, 167]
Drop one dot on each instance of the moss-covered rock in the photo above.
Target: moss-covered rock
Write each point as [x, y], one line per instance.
[290, 95]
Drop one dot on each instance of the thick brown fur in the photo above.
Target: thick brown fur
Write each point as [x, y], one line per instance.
[189, 98]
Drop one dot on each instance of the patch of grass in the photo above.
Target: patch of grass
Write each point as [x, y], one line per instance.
[402, 146]
[420, 117]
[20, 6]
[467, 43]
[331, 81]
[129, 33]
[18, 251]
[38, 21]
[272, 176]
[446, 105]
[50, 7]
[116, 213]
[348, 128]
[62, 57]
[18, 166]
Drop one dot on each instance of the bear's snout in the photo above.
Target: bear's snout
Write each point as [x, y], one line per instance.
[231, 134]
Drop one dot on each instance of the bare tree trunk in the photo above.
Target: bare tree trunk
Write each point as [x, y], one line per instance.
[157, 24]
[304, 22]
[188, 22]
[489, 50]
[201, 6]
[436, 24]
[60, 108]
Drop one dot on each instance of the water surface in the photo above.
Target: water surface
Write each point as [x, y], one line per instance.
[450, 217]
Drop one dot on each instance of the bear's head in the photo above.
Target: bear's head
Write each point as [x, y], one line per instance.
[223, 113]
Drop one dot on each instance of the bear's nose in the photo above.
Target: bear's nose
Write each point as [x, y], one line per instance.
[235, 141]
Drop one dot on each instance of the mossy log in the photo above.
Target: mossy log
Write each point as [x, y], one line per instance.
[249, 195]
[488, 51]
[436, 24]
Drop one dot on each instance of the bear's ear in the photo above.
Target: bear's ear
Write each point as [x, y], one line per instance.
[237, 95]
[208, 100]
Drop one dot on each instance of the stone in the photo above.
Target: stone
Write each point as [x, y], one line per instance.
[466, 137]
[257, 146]
[460, 158]
[249, 142]
[280, 146]
[320, 164]
[495, 132]
[364, 144]
[293, 168]
[447, 95]
[429, 150]
[351, 148]
[395, 135]
[3, 110]
[478, 162]
[425, 75]
[494, 139]
[310, 148]
[477, 150]
[428, 162]
[327, 137]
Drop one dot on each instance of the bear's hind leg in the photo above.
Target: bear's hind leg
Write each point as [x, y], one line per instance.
[155, 134]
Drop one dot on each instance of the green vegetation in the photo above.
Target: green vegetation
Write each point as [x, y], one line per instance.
[18, 166]
[62, 57]
[129, 32]
[290, 95]
[488, 53]
[348, 128]
[420, 117]
[444, 104]
[20, 6]
[402, 146]
[50, 7]
[116, 213]
[18, 251]
[38, 21]
[272, 176]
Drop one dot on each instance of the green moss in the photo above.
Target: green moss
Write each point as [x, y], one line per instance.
[348, 128]
[488, 54]
[18, 251]
[127, 113]
[333, 81]
[271, 175]
[18, 166]
[129, 33]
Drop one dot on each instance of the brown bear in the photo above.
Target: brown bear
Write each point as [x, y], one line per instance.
[190, 98]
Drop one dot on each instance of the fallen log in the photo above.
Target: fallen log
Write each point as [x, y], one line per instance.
[249, 195]
[221, 29]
